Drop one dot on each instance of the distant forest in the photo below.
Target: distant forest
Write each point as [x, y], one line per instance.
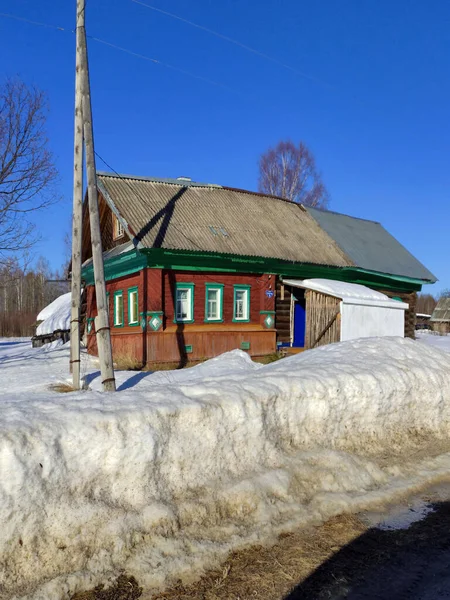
[426, 303]
[24, 293]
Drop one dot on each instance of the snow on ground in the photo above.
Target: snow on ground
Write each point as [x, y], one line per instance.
[167, 476]
[442, 342]
[55, 316]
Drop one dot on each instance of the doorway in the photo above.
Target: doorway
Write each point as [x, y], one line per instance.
[299, 314]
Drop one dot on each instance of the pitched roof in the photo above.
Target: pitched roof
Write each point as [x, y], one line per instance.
[442, 311]
[184, 215]
[370, 246]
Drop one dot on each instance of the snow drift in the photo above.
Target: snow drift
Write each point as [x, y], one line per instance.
[166, 477]
[55, 316]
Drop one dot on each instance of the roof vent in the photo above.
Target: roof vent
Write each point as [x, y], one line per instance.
[182, 178]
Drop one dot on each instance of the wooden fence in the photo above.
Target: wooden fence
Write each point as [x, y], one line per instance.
[323, 319]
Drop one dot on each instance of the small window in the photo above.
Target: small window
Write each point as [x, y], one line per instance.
[133, 306]
[241, 303]
[213, 302]
[118, 309]
[184, 303]
[118, 231]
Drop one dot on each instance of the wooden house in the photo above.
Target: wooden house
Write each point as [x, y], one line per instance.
[440, 319]
[194, 270]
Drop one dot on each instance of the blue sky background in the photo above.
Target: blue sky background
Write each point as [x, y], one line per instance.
[374, 105]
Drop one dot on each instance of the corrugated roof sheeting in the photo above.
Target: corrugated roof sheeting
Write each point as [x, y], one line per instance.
[216, 219]
[370, 246]
[442, 311]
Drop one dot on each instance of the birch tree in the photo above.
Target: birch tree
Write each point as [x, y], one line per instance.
[290, 172]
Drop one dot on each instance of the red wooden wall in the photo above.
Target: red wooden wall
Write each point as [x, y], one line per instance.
[204, 340]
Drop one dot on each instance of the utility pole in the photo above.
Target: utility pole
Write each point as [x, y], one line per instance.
[102, 320]
[77, 210]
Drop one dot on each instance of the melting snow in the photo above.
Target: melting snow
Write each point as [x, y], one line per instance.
[434, 339]
[167, 476]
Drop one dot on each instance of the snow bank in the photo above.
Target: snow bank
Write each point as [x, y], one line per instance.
[167, 476]
[431, 338]
[55, 316]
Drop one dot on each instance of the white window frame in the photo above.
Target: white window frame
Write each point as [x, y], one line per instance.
[219, 289]
[118, 230]
[118, 323]
[133, 292]
[189, 288]
[246, 304]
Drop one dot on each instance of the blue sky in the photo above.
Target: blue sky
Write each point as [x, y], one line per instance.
[373, 103]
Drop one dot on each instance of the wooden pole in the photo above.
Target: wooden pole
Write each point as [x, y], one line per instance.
[77, 210]
[102, 320]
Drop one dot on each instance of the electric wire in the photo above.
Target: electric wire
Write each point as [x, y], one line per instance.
[122, 49]
[233, 41]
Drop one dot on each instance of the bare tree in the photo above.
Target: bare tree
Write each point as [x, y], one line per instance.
[289, 171]
[27, 170]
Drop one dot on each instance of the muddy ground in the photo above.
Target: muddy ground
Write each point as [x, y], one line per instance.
[344, 558]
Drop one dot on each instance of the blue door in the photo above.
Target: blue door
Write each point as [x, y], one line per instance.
[299, 324]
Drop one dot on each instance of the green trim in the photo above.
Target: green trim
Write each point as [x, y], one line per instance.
[149, 313]
[187, 260]
[118, 293]
[214, 286]
[236, 288]
[266, 312]
[118, 266]
[182, 286]
[131, 290]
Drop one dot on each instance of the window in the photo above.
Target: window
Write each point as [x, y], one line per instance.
[184, 303]
[133, 306]
[118, 309]
[241, 310]
[214, 302]
[118, 231]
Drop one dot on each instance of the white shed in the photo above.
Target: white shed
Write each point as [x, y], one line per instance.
[331, 311]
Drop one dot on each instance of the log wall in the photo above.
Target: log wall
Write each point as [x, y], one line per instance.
[180, 343]
[410, 314]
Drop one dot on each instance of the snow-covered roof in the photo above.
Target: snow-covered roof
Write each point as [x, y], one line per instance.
[55, 316]
[349, 293]
[116, 251]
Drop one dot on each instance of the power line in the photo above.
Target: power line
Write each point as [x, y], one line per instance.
[121, 49]
[159, 62]
[39, 23]
[137, 194]
[233, 41]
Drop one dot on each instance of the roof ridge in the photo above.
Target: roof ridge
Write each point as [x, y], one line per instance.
[167, 180]
[335, 212]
